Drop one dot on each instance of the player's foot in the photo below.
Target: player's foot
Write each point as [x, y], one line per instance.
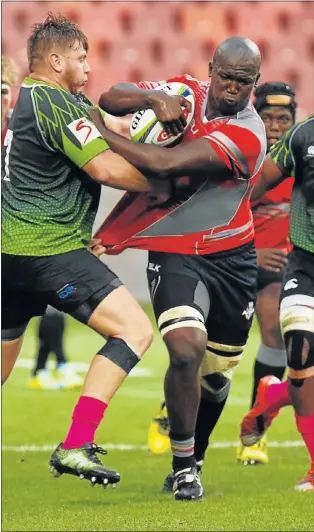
[67, 377]
[253, 455]
[43, 380]
[158, 434]
[169, 480]
[307, 483]
[258, 419]
[83, 463]
[187, 485]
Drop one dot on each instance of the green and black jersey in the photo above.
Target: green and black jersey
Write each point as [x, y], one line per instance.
[48, 202]
[294, 155]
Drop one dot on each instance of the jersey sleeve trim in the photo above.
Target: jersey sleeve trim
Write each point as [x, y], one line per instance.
[37, 121]
[231, 151]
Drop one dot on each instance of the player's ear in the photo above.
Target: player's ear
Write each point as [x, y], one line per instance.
[210, 69]
[256, 81]
[56, 62]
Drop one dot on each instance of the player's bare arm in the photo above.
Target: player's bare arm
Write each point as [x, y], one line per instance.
[125, 98]
[196, 156]
[271, 176]
[110, 169]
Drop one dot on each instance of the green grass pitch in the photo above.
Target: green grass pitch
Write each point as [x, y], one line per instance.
[237, 497]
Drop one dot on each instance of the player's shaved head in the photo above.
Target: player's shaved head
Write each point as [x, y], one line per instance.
[238, 51]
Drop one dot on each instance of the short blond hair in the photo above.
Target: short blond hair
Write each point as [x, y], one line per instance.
[9, 70]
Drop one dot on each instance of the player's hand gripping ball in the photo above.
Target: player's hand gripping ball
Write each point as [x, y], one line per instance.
[145, 126]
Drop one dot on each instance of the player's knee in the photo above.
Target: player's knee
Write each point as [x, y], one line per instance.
[297, 327]
[139, 332]
[217, 369]
[186, 348]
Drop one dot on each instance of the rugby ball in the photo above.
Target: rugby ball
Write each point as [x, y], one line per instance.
[146, 128]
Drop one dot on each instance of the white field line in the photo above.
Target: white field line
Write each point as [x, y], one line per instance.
[82, 367]
[127, 447]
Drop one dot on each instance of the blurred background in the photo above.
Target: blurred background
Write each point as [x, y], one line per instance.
[155, 40]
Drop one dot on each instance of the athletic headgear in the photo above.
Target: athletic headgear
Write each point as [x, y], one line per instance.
[275, 93]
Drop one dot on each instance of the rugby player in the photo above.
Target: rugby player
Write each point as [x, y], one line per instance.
[276, 105]
[293, 153]
[202, 262]
[55, 161]
[8, 80]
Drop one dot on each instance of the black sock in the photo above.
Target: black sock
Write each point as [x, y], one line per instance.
[41, 359]
[207, 417]
[260, 371]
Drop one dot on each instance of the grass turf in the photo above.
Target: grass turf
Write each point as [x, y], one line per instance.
[237, 497]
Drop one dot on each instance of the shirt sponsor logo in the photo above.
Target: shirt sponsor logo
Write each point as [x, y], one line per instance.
[84, 130]
[292, 283]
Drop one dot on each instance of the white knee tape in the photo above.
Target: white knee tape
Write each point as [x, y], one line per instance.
[297, 314]
[224, 364]
[178, 317]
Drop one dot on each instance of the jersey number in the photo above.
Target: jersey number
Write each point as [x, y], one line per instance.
[81, 125]
[7, 145]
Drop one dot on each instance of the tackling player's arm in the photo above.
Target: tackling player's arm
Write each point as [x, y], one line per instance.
[278, 164]
[125, 98]
[63, 126]
[203, 155]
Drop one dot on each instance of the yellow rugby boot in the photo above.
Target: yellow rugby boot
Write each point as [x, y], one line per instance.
[253, 455]
[158, 433]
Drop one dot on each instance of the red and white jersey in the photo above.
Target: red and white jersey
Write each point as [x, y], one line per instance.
[4, 129]
[216, 214]
[271, 216]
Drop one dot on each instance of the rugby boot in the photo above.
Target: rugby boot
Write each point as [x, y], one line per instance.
[158, 433]
[258, 419]
[253, 455]
[83, 463]
[169, 480]
[307, 483]
[187, 485]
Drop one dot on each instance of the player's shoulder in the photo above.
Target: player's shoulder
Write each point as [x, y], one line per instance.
[303, 133]
[190, 81]
[249, 119]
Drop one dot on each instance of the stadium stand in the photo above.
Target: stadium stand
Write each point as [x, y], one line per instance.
[153, 40]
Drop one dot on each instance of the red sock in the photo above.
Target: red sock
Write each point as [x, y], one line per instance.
[277, 396]
[305, 426]
[86, 417]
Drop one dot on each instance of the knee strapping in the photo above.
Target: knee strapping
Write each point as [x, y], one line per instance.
[217, 368]
[120, 353]
[178, 317]
[297, 328]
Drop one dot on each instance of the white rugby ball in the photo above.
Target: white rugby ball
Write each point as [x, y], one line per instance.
[146, 128]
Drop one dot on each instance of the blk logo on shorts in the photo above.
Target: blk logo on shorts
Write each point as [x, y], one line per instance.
[292, 283]
[154, 267]
[249, 311]
[66, 291]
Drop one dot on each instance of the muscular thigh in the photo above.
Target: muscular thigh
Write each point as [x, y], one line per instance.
[178, 293]
[297, 313]
[74, 282]
[231, 282]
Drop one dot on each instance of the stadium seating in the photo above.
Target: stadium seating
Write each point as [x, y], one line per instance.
[154, 40]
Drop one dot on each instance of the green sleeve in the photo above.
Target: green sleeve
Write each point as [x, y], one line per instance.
[281, 153]
[65, 124]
